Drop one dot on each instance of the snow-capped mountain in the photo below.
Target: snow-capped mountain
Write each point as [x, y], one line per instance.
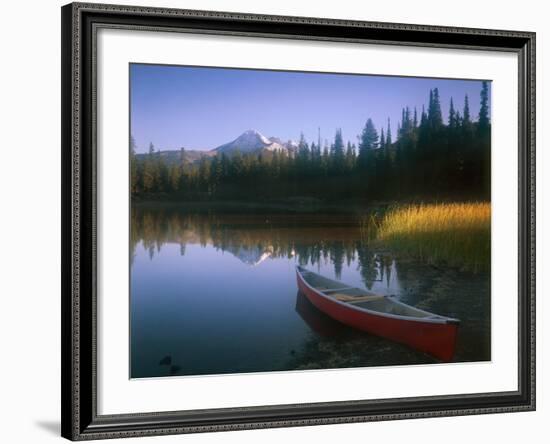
[251, 141]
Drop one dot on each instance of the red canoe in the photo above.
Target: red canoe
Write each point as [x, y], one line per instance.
[381, 315]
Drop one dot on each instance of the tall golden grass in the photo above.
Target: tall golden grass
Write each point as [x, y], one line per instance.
[458, 234]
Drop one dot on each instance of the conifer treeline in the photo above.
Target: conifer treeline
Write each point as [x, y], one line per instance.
[430, 158]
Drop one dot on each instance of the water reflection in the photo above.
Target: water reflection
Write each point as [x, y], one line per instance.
[216, 293]
[310, 239]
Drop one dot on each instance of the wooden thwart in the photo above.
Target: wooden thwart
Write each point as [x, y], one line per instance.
[348, 298]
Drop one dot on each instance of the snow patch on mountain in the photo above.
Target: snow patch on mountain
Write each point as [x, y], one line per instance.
[290, 145]
[252, 141]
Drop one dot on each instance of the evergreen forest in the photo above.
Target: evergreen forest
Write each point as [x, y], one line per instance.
[434, 155]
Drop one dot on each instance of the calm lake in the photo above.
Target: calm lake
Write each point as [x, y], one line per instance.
[216, 293]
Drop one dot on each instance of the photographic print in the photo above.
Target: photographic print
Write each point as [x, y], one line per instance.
[287, 220]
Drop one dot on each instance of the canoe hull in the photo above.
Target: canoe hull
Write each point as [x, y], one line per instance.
[436, 339]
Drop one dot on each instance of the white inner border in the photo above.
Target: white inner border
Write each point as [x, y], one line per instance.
[118, 394]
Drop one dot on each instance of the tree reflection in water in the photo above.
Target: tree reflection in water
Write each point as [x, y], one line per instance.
[311, 238]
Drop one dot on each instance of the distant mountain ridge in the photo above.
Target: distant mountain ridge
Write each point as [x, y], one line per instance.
[249, 142]
[171, 157]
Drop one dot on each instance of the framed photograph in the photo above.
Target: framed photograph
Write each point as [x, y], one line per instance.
[280, 221]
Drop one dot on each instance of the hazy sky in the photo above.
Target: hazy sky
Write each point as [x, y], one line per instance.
[202, 108]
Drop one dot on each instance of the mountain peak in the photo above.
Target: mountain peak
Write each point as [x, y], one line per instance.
[248, 142]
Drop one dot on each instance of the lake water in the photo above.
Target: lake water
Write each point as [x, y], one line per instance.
[216, 293]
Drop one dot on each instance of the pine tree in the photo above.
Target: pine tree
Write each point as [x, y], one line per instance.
[313, 150]
[325, 158]
[204, 174]
[338, 154]
[216, 171]
[162, 176]
[226, 167]
[368, 140]
[316, 160]
[466, 113]
[275, 165]
[182, 157]
[423, 118]
[237, 165]
[388, 135]
[133, 166]
[483, 121]
[484, 140]
[407, 124]
[380, 173]
[149, 174]
[366, 159]
[175, 176]
[350, 157]
[434, 110]
[452, 115]
[303, 153]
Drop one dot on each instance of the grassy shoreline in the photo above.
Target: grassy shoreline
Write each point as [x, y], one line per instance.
[458, 234]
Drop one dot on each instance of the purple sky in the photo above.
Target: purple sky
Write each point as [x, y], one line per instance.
[202, 108]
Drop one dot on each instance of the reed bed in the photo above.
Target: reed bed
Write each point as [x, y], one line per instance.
[458, 234]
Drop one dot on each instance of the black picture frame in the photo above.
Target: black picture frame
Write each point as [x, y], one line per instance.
[80, 420]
